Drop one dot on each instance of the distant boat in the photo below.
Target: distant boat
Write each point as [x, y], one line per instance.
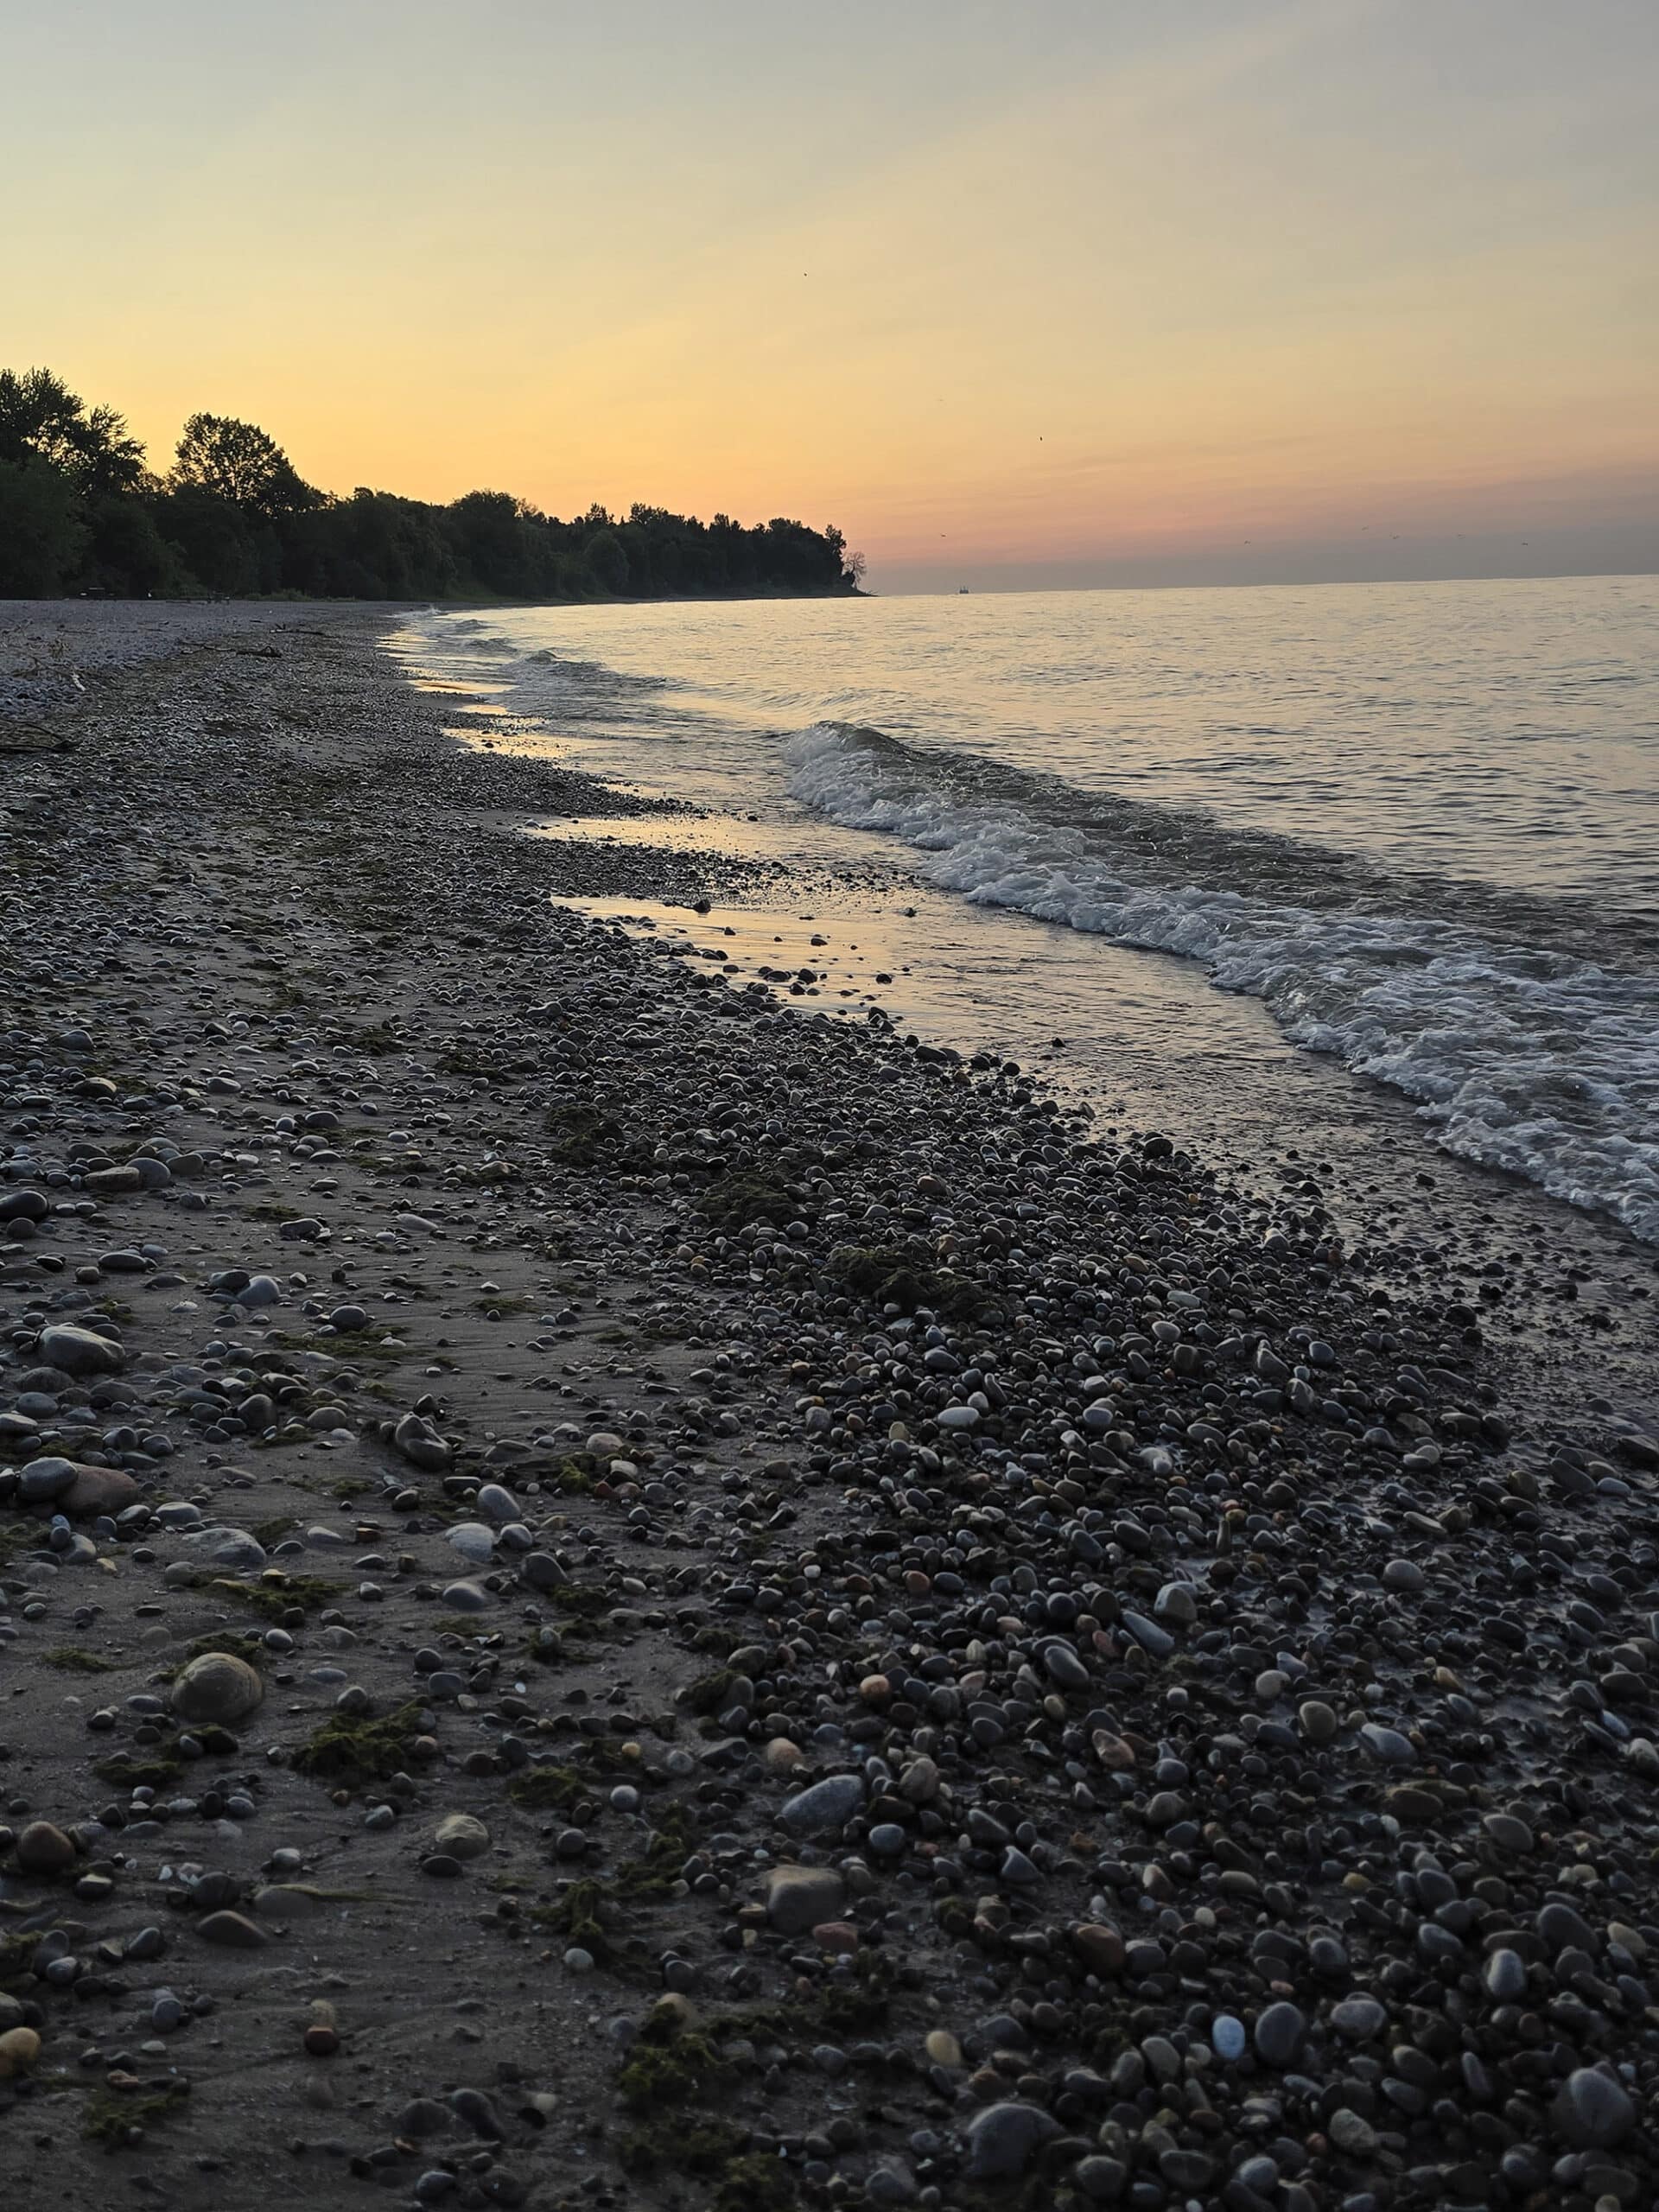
[962, 591]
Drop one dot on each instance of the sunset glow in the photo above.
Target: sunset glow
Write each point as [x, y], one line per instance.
[1063, 292]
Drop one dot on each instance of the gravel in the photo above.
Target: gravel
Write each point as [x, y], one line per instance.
[528, 1380]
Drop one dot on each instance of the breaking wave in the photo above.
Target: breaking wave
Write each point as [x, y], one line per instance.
[1513, 1021]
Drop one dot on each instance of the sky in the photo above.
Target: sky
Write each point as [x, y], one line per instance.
[1052, 292]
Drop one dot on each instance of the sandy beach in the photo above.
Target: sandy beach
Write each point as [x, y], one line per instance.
[616, 1591]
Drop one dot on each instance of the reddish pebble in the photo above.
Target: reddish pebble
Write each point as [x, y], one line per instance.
[321, 2041]
[839, 1936]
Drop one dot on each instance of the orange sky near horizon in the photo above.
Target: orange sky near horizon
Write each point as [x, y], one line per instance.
[983, 285]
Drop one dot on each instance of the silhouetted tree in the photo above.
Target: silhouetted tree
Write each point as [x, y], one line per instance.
[607, 561]
[78, 512]
[92, 447]
[213, 537]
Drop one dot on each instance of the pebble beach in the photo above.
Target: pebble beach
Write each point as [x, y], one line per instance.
[615, 1589]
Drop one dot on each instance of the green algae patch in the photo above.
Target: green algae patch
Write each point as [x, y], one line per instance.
[151, 1768]
[548, 1789]
[70, 1659]
[709, 1693]
[733, 1201]
[669, 2062]
[755, 2184]
[657, 1868]
[16, 1952]
[582, 1134]
[887, 1274]
[276, 1594]
[112, 2115]
[351, 1748]
[697, 2145]
[576, 1917]
[585, 1602]
[228, 1640]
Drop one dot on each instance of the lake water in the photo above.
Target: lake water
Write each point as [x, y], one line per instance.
[1417, 824]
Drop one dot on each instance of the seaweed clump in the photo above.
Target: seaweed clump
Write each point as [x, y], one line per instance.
[733, 1201]
[889, 1275]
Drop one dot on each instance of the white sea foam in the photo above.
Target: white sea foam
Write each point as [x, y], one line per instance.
[1529, 1059]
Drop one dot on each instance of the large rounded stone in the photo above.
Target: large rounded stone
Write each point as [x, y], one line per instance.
[461, 1837]
[799, 1897]
[1592, 2112]
[79, 1351]
[44, 1480]
[216, 1687]
[43, 1849]
[19, 2048]
[232, 1931]
[1004, 2138]
[421, 1444]
[98, 1490]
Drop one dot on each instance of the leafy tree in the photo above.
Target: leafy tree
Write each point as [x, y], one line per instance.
[41, 535]
[240, 462]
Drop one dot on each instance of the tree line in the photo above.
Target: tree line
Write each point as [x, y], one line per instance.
[82, 512]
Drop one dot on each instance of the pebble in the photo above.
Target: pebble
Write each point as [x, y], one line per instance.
[1387, 1744]
[1279, 2032]
[1358, 2019]
[823, 1808]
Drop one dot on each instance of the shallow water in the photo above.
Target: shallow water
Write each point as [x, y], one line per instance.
[1418, 824]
